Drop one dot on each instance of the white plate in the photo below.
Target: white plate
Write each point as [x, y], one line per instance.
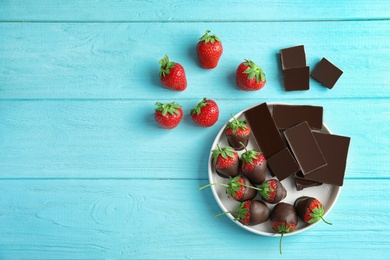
[327, 194]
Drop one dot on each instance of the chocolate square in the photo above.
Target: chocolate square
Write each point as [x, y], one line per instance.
[293, 57]
[282, 164]
[264, 130]
[296, 79]
[305, 148]
[326, 73]
[335, 149]
[286, 116]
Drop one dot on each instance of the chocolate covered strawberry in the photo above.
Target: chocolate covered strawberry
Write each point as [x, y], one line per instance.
[225, 161]
[237, 133]
[272, 191]
[209, 49]
[250, 212]
[253, 166]
[249, 76]
[239, 188]
[283, 220]
[172, 75]
[168, 115]
[310, 210]
[206, 113]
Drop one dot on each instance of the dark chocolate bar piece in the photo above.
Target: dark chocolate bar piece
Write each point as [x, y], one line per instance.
[264, 130]
[282, 164]
[305, 148]
[286, 116]
[335, 149]
[297, 79]
[301, 183]
[293, 57]
[326, 73]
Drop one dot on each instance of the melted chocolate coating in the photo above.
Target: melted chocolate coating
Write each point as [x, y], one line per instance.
[284, 212]
[257, 176]
[259, 213]
[281, 193]
[234, 141]
[301, 206]
[231, 171]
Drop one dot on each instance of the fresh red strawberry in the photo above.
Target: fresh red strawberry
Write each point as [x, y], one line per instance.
[209, 49]
[206, 113]
[249, 76]
[168, 115]
[250, 212]
[253, 166]
[283, 220]
[238, 188]
[225, 161]
[310, 210]
[272, 191]
[172, 74]
[237, 133]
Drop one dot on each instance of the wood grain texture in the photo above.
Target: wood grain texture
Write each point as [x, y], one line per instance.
[171, 219]
[120, 139]
[120, 61]
[178, 10]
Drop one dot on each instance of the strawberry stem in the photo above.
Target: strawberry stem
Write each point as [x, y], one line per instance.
[243, 145]
[326, 221]
[214, 183]
[224, 213]
[280, 243]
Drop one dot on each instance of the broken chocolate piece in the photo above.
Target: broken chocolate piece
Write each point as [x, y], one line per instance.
[326, 73]
[296, 79]
[293, 57]
[264, 130]
[283, 164]
[286, 116]
[305, 148]
[301, 183]
[335, 150]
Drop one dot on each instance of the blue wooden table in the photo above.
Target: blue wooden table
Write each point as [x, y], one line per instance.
[85, 171]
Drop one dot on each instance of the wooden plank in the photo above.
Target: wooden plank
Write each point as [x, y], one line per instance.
[120, 139]
[108, 61]
[173, 11]
[170, 219]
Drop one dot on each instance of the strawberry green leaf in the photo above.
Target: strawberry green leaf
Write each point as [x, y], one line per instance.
[165, 66]
[249, 156]
[209, 38]
[317, 214]
[171, 108]
[225, 152]
[266, 190]
[254, 71]
[235, 124]
[196, 110]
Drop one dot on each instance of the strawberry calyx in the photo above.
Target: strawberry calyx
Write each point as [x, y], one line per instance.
[254, 71]
[235, 124]
[166, 66]
[316, 214]
[225, 152]
[209, 38]
[242, 212]
[171, 108]
[249, 155]
[196, 110]
[282, 227]
[266, 190]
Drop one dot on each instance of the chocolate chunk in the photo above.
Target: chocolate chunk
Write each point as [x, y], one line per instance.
[264, 130]
[326, 73]
[335, 150]
[301, 183]
[283, 164]
[286, 116]
[293, 57]
[296, 79]
[305, 148]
